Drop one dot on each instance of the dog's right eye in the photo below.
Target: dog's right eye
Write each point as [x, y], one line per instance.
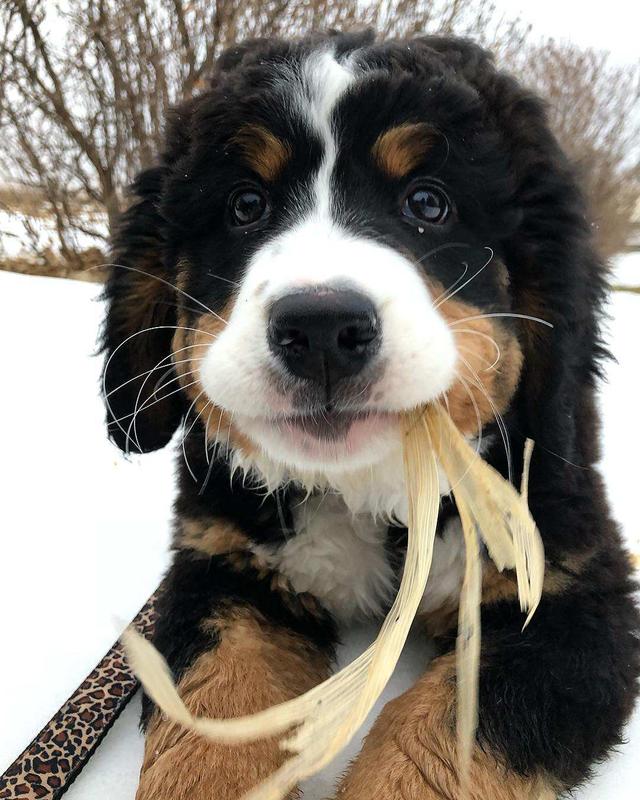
[247, 207]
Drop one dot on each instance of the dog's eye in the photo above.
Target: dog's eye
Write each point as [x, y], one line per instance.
[426, 204]
[247, 206]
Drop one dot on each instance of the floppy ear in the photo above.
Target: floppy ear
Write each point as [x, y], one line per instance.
[139, 326]
[555, 271]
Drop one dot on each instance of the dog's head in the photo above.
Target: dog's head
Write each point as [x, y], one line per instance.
[339, 231]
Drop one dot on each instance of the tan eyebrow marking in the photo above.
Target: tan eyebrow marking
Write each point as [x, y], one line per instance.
[400, 150]
[263, 150]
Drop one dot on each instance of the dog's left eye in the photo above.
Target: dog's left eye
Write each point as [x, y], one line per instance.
[426, 203]
[247, 206]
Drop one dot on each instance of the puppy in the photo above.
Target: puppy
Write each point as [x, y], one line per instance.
[340, 230]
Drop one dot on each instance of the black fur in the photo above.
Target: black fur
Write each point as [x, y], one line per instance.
[139, 246]
[198, 588]
[554, 697]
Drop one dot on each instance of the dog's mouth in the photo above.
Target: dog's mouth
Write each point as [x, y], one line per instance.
[330, 434]
[332, 424]
[325, 435]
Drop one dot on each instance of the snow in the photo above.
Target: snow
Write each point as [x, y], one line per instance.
[15, 240]
[625, 270]
[86, 532]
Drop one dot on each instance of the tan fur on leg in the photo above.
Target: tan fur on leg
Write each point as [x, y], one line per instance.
[254, 666]
[410, 753]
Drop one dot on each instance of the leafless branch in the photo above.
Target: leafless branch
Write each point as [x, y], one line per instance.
[83, 112]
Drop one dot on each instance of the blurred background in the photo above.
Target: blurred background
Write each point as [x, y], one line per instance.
[84, 87]
[85, 84]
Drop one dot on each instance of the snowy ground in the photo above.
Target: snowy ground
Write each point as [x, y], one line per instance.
[85, 532]
[15, 240]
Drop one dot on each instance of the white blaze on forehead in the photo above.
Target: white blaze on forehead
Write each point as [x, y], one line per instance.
[323, 82]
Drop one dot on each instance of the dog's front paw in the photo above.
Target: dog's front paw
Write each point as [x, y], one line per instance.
[181, 765]
[410, 753]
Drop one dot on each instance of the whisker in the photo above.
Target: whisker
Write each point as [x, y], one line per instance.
[473, 277]
[446, 403]
[187, 432]
[145, 407]
[286, 530]
[502, 314]
[152, 397]
[229, 432]
[474, 403]
[205, 482]
[465, 386]
[206, 434]
[439, 248]
[154, 393]
[220, 278]
[128, 339]
[214, 445]
[483, 336]
[170, 371]
[445, 294]
[159, 384]
[170, 285]
[159, 365]
[180, 305]
[367, 386]
[471, 351]
[176, 378]
[133, 424]
[502, 427]
[217, 436]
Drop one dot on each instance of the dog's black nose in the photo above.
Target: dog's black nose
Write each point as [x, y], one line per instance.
[324, 335]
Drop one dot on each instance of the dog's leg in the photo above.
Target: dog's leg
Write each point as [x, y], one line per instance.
[410, 753]
[553, 700]
[236, 644]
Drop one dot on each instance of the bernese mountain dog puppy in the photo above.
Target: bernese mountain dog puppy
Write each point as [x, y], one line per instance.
[341, 229]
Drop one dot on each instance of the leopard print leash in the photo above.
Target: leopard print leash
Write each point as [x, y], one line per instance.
[54, 759]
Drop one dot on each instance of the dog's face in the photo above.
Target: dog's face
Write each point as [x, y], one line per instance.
[341, 231]
[335, 226]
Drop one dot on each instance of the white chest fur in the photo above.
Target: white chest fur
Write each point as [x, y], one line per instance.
[341, 558]
[447, 568]
[338, 556]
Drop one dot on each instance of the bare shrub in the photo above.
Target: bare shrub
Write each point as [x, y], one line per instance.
[595, 112]
[82, 113]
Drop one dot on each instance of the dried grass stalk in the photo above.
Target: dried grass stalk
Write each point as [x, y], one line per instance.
[318, 724]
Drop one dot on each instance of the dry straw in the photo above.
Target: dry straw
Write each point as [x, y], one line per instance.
[317, 725]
